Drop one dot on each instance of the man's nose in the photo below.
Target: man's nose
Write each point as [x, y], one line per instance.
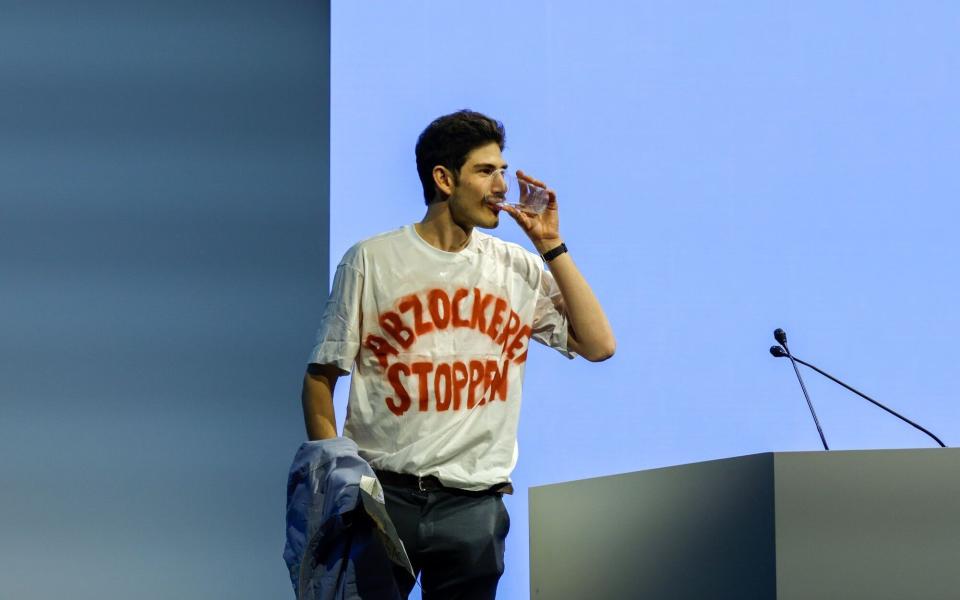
[499, 182]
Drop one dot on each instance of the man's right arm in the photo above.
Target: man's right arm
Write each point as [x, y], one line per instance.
[317, 398]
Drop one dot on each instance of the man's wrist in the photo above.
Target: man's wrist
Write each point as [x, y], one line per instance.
[547, 246]
[550, 255]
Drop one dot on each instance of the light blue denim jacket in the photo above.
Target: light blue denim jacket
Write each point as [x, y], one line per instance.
[332, 551]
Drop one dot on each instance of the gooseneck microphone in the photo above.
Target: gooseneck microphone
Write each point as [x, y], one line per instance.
[778, 352]
[781, 337]
[871, 400]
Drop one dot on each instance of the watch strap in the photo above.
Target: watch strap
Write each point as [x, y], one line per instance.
[552, 254]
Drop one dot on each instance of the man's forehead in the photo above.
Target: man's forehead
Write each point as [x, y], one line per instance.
[488, 154]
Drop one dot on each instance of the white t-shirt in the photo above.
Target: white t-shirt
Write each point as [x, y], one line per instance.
[437, 342]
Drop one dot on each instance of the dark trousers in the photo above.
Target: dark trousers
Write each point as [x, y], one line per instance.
[455, 539]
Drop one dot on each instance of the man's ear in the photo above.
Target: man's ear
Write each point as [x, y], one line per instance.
[444, 180]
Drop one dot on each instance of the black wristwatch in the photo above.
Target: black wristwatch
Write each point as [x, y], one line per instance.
[552, 254]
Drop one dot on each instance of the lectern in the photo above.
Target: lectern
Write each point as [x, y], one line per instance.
[844, 525]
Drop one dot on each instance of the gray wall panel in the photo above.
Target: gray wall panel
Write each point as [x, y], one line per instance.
[164, 198]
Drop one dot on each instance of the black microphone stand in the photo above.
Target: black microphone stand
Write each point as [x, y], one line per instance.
[867, 398]
[777, 351]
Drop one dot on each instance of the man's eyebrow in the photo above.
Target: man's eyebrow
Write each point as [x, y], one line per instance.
[479, 166]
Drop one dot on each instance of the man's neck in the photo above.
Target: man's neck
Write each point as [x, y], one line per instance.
[438, 229]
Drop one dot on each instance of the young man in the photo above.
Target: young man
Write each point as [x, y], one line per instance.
[434, 319]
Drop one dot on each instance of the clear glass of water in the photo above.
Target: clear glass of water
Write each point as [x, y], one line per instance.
[524, 195]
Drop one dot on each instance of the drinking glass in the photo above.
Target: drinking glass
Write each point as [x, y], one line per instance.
[524, 195]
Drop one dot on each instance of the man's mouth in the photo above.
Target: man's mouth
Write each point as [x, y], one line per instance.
[494, 202]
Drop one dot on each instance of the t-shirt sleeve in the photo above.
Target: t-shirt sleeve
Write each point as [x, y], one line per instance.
[550, 325]
[338, 338]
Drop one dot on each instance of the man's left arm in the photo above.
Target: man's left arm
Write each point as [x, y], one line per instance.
[590, 334]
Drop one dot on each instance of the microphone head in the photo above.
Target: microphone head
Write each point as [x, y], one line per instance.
[777, 351]
[781, 336]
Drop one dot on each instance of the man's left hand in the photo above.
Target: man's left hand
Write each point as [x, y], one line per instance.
[543, 229]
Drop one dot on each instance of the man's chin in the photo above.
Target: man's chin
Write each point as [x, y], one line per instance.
[490, 223]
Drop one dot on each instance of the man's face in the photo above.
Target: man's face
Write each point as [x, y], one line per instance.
[479, 186]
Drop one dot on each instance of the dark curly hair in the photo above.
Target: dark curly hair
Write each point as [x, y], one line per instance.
[448, 140]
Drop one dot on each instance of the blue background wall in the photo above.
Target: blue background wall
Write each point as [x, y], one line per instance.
[722, 170]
